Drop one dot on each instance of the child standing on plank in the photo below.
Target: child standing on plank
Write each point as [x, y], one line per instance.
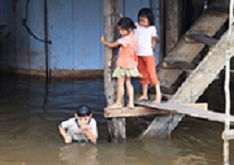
[146, 34]
[126, 65]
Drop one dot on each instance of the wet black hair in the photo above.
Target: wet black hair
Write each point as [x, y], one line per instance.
[83, 110]
[126, 23]
[147, 13]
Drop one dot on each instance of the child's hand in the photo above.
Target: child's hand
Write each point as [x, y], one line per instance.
[67, 139]
[102, 39]
[84, 127]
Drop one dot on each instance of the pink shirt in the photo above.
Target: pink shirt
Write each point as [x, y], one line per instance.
[128, 52]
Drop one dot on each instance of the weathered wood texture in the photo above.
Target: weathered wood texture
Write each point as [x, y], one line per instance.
[209, 23]
[202, 38]
[193, 87]
[220, 5]
[188, 110]
[136, 112]
[145, 111]
[228, 135]
[172, 15]
[116, 127]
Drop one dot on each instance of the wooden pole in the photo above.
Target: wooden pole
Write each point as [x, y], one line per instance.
[226, 87]
[116, 126]
[172, 15]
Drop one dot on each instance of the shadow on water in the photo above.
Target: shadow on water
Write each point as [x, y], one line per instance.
[30, 114]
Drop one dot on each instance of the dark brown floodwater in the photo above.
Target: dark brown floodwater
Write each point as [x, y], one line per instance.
[30, 113]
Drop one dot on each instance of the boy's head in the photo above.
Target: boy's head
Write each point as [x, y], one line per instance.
[83, 111]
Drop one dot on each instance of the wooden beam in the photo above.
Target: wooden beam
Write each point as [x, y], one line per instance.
[190, 111]
[136, 112]
[228, 135]
[172, 18]
[145, 111]
[116, 126]
[202, 38]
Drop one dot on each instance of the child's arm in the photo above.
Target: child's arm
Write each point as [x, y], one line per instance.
[153, 42]
[108, 44]
[66, 137]
[90, 133]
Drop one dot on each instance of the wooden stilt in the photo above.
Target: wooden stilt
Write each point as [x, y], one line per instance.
[116, 126]
[172, 15]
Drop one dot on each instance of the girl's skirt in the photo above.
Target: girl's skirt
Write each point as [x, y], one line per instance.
[121, 72]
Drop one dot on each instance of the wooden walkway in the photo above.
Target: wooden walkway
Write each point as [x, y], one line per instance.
[147, 108]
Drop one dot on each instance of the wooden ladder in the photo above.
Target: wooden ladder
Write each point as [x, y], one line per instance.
[187, 89]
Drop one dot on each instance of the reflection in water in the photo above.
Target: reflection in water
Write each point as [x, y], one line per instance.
[74, 154]
[30, 114]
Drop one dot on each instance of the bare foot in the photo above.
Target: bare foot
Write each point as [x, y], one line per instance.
[142, 98]
[131, 106]
[115, 106]
[157, 100]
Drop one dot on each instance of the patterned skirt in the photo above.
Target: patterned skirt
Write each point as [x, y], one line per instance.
[121, 72]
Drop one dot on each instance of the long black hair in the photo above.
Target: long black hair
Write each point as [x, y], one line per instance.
[147, 13]
[126, 23]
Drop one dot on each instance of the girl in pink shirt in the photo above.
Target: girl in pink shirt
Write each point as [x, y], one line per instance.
[126, 64]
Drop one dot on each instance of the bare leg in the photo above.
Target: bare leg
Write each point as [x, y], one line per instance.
[130, 90]
[144, 95]
[158, 94]
[120, 94]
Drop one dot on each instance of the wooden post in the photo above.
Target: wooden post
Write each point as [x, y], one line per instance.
[116, 126]
[172, 15]
[226, 151]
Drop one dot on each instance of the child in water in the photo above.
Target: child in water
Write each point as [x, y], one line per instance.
[81, 128]
[146, 34]
[126, 65]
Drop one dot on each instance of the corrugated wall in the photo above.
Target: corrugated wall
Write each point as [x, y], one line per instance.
[74, 27]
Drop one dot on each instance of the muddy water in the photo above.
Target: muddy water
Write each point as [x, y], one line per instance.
[30, 112]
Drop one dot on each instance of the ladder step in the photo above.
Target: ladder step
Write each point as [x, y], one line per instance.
[184, 65]
[203, 38]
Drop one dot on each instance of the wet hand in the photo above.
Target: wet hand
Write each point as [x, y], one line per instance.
[67, 139]
[84, 127]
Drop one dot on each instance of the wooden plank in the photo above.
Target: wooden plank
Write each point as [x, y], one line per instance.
[190, 111]
[228, 135]
[136, 112]
[184, 65]
[209, 23]
[203, 38]
[145, 111]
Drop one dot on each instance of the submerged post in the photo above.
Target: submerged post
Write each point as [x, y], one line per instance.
[116, 126]
[226, 87]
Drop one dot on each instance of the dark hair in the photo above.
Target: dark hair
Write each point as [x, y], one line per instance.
[83, 110]
[126, 23]
[147, 13]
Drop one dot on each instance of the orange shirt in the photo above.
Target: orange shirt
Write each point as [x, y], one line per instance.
[128, 52]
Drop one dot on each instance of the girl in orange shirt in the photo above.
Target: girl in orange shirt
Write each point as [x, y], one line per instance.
[126, 65]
